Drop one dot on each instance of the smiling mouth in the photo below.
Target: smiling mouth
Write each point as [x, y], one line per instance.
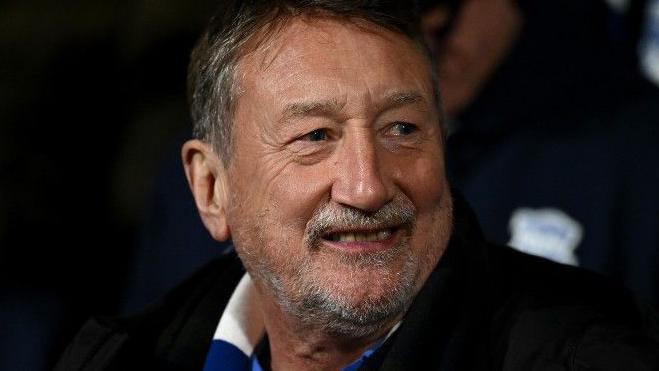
[361, 236]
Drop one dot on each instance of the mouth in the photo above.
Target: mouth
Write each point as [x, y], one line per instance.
[378, 235]
[359, 241]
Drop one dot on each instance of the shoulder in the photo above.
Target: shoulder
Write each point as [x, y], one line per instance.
[549, 315]
[184, 318]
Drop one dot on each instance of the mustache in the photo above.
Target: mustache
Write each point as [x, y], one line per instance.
[399, 212]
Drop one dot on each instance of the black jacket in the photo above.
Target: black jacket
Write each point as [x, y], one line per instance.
[483, 308]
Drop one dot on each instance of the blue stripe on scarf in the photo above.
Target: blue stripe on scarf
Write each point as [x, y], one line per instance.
[226, 356]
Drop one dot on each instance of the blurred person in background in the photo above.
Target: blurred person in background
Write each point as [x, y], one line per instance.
[553, 130]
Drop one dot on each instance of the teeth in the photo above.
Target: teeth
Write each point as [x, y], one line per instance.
[360, 237]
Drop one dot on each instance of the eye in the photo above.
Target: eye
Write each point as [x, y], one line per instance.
[402, 128]
[316, 135]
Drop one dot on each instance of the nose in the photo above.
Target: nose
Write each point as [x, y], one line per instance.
[360, 179]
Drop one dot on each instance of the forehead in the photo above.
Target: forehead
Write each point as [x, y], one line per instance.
[338, 56]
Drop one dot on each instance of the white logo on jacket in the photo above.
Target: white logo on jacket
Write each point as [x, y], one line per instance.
[548, 232]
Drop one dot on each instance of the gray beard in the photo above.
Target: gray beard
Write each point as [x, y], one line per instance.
[314, 306]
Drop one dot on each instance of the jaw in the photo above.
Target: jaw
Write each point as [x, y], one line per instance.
[350, 295]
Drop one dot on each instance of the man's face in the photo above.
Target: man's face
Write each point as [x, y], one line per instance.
[338, 204]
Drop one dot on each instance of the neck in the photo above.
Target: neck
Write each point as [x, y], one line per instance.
[295, 346]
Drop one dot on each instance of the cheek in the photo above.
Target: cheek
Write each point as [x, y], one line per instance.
[282, 197]
[296, 193]
[428, 189]
[423, 181]
[273, 226]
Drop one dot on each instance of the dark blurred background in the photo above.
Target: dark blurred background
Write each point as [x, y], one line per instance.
[92, 95]
[94, 216]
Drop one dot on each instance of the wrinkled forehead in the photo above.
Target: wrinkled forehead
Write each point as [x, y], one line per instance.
[276, 40]
[315, 47]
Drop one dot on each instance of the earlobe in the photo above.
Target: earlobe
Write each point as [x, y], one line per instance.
[207, 180]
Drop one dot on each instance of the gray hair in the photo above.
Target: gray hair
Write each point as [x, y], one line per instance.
[212, 85]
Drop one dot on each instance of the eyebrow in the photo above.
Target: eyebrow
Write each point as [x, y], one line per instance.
[398, 99]
[332, 107]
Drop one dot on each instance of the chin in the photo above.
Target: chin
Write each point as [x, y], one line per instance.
[352, 301]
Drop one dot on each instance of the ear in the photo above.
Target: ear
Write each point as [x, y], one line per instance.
[207, 179]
